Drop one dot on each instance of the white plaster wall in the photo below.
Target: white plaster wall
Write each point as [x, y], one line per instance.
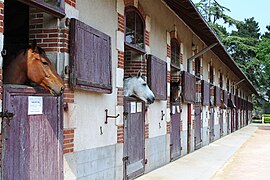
[205, 116]
[184, 117]
[91, 118]
[157, 126]
[91, 132]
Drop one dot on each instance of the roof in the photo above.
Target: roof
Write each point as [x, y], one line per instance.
[187, 11]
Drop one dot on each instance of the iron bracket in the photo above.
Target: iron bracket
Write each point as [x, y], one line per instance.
[108, 116]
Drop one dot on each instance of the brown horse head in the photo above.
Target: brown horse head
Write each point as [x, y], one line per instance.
[41, 71]
[175, 91]
[33, 65]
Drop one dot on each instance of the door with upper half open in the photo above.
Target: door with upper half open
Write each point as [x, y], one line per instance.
[32, 134]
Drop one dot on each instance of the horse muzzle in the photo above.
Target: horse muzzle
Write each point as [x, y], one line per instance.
[57, 91]
[151, 100]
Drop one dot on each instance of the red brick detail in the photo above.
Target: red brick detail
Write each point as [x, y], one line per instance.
[121, 23]
[1, 17]
[129, 3]
[140, 8]
[68, 93]
[71, 2]
[181, 59]
[133, 65]
[121, 59]
[146, 131]
[168, 127]
[147, 38]
[198, 88]
[51, 40]
[120, 96]
[68, 140]
[168, 102]
[168, 51]
[1, 84]
[168, 76]
[120, 134]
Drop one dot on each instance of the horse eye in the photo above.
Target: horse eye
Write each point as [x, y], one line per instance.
[44, 63]
[144, 84]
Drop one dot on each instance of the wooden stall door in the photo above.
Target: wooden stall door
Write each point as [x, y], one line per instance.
[198, 125]
[221, 122]
[32, 144]
[134, 143]
[175, 143]
[211, 124]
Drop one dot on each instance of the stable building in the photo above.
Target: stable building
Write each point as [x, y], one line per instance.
[93, 131]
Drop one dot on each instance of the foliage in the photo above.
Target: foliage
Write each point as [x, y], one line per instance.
[246, 45]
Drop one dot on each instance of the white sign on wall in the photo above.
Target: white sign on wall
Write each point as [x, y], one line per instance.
[35, 105]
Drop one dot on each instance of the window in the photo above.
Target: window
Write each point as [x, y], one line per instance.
[53, 7]
[134, 30]
[220, 81]
[157, 76]
[228, 85]
[175, 53]
[197, 67]
[211, 75]
[90, 58]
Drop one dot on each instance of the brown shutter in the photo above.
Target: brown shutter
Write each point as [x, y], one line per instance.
[217, 99]
[90, 58]
[225, 97]
[189, 87]
[205, 93]
[157, 76]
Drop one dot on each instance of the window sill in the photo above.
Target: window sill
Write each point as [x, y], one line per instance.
[132, 47]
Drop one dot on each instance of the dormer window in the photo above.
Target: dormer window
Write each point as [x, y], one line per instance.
[134, 29]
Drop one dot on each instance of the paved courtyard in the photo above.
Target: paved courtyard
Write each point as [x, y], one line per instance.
[243, 154]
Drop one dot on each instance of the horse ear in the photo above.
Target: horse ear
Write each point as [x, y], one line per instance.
[139, 74]
[34, 45]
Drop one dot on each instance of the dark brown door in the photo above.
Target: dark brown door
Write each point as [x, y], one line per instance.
[189, 129]
[232, 120]
[32, 144]
[175, 143]
[197, 128]
[211, 125]
[134, 153]
[221, 122]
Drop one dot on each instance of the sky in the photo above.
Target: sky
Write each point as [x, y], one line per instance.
[241, 9]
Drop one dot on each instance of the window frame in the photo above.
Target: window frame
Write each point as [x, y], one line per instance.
[198, 68]
[178, 46]
[58, 12]
[134, 46]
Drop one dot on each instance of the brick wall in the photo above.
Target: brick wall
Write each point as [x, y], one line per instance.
[120, 134]
[1, 17]
[68, 140]
[146, 131]
[134, 63]
[71, 2]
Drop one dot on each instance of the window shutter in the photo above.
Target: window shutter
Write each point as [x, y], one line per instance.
[217, 96]
[205, 93]
[189, 87]
[157, 76]
[90, 58]
[225, 100]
